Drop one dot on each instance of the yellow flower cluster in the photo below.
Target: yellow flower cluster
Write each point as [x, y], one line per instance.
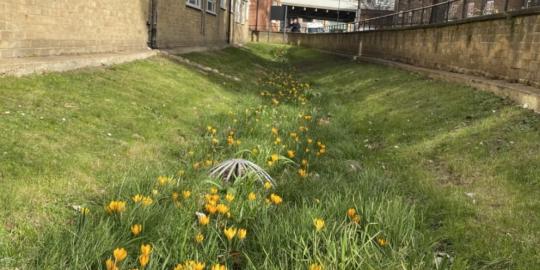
[190, 265]
[222, 213]
[144, 200]
[164, 180]
[351, 213]
[116, 207]
[275, 199]
[119, 254]
[144, 255]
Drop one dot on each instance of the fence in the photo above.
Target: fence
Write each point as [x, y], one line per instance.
[443, 12]
[448, 11]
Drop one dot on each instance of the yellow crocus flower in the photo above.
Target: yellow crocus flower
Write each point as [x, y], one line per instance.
[204, 220]
[229, 233]
[351, 212]
[144, 260]
[146, 249]
[382, 242]
[146, 201]
[318, 223]
[290, 154]
[219, 267]
[119, 254]
[136, 229]
[241, 234]
[199, 238]
[275, 199]
[222, 209]
[110, 264]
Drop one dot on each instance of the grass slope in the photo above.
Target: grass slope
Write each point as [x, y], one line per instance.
[444, 168]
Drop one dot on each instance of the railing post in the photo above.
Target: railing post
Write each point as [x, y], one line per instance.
[506, 5]
[464, 9]
[447, 11]
[422, 16]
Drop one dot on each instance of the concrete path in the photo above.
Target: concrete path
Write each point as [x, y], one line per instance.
[31, 65]
[527, 96]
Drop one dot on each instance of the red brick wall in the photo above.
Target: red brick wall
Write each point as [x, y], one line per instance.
[260, 18]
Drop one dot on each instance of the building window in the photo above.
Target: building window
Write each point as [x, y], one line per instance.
[245, 11]
[490, 7]
[223, 4]
[194, 3]
[211, 6]
[470, 9]
[240, 11]
[237, 11]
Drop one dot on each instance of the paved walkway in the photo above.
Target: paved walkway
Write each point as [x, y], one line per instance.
[527, 96]
[31, 65]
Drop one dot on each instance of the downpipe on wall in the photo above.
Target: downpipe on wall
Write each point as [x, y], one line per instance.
[152, 24]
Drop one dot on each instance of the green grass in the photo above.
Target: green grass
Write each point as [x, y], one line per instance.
[430, 166]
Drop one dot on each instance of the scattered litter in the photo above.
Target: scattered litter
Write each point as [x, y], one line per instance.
[442, 260]
[353, 165]
[472, 196]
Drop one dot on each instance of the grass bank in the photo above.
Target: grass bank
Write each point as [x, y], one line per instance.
[432, 169]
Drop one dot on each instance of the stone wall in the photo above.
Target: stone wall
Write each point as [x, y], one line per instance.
[499, 46]
[269, 37]
[180, 25]
[53, 27]
[69, 27]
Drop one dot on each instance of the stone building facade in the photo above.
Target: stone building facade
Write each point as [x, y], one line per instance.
[52, 27]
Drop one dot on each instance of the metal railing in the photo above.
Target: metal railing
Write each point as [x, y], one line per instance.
[444, 12]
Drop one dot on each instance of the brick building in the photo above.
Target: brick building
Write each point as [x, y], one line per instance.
[51, 27]
[259, 15]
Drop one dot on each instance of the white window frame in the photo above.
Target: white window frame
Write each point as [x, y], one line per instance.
[212, 9]
[196, 4]
[237, 11]
[241, 9]
[245, 12]
[223, 4]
